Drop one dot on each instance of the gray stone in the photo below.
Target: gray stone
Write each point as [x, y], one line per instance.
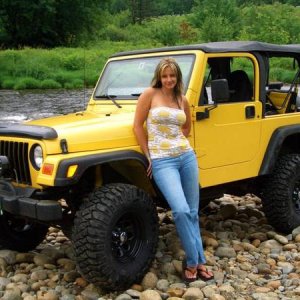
[225, 252]
[150, 295]
[193, 294]
[123, 297]
[286, 267]
[3, 283]
[9, 256]
[162, 285]
[149, 281]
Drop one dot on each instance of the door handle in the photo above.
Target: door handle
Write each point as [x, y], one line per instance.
[250, 112]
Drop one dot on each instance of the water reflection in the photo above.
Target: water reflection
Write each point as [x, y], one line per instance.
[18, 106]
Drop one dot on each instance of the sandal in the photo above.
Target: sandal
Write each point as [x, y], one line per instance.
[204, 274]
[191, 271]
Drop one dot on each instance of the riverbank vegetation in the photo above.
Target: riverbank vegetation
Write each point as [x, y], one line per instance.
[67, 48]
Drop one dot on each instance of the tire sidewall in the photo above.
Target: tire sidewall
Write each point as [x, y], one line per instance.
[126, 200]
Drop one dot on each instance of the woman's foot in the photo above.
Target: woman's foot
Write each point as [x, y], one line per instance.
[203, 273]
[189, 274]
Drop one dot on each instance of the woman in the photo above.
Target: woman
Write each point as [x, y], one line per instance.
[172, 161]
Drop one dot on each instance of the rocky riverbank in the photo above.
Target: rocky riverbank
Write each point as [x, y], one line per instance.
[249, 260]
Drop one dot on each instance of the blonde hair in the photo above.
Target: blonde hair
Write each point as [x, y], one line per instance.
[163, 64]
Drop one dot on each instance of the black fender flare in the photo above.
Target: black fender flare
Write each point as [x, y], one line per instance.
[275, 146]
[84, 162]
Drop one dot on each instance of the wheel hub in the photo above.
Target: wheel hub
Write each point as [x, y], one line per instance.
[296, 197]
[123, 237]
[126, 238]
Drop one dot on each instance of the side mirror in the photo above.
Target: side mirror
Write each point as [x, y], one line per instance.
[220, 90]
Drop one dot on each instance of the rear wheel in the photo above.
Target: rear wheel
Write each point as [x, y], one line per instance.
[19, 234]
[281, 194]
[115, 236]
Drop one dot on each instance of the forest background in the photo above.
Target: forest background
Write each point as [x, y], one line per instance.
[65, 44]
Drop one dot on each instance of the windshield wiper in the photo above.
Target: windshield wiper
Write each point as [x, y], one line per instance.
[110, 97]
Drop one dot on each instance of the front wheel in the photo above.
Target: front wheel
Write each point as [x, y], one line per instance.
[281, 194]
[115, 236]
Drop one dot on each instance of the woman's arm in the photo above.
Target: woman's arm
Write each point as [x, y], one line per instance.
[186, 128]
[141, 113]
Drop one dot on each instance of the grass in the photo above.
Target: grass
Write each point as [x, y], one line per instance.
[56, 68]
[73, 68]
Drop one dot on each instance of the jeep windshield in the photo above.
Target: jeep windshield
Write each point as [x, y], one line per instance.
[128, 78]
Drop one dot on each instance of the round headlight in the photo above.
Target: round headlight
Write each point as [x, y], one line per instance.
[37, 156]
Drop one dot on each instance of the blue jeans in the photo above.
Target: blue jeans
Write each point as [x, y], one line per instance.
[177, 179]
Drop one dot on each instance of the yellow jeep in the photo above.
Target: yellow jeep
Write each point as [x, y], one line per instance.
[85, 173]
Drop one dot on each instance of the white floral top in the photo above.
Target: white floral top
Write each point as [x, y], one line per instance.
[165, 137]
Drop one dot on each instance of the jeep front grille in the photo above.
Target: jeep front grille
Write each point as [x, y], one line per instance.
[17, 154]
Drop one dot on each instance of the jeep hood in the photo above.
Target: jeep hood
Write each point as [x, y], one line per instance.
[87, 131]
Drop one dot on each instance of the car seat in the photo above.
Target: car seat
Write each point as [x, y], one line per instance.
[240, 86]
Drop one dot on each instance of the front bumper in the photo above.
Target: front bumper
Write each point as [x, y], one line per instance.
[17, 201]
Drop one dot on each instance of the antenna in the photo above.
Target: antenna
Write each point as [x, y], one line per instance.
[84, 77]
[84, 65]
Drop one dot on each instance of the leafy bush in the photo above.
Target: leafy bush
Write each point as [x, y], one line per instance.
[166, 30]
[27, 83]
[75, 84]
[50, 84]
[7, 84]
[73, 62]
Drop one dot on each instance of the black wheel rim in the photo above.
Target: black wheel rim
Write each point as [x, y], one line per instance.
[296, 197]
[127, 237]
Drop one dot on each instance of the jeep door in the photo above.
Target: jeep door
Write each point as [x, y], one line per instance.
[227, 138]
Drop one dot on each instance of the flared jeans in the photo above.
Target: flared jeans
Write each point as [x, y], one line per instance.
[177, 179]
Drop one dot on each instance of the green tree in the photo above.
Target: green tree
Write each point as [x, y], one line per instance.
[46, 22]
[218, 19]
[278, 23]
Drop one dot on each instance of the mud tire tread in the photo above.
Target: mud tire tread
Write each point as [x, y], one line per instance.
[92, 231]
[277, 194]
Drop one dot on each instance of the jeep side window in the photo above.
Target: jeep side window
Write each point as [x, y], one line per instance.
[237, 71]
[282, 86]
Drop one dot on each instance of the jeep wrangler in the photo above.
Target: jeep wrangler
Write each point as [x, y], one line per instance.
[84, 172]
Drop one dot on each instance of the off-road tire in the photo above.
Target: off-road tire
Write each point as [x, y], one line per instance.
[115, 236]
[19, 234]
[281, 194]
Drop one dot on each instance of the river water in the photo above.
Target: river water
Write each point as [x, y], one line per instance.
[19, 106]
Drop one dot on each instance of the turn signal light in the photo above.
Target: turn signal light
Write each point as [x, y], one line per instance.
[71, 171]
[47, 169]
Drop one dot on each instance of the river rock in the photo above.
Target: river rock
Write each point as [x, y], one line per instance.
[295, 232]
[9, 256]
[225, 252]
[281, 239]
[286, 267]
[162, 285]
[271, 244]
[228, 211]
[67, 264]
[24, 257]
[11, 295]
[150, 295]
[123, 297]
[47, 295]
[176, 292]
[193, 294]
[41, 260]
[149, 281]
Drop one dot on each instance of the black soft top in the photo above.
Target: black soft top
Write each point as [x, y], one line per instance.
[225, 47]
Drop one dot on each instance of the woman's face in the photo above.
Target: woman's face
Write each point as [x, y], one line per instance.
[168, 78]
